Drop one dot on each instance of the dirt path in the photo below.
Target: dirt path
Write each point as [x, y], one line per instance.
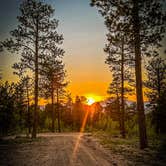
[68, 149]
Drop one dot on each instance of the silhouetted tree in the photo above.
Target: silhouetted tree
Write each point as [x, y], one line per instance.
[156, 82]
[0, 74]
[119, 58]
[34, 37]
[8, 116]
[95, 113]
[146, 20]
[1, 49]
[53, 75]
[25, 83]
[68, 113]
[115, 90]
[20, 103]
[79, 112]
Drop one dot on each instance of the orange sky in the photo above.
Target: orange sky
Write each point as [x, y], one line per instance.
[84, 39]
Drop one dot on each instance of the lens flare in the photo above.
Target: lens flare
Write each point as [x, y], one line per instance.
[90, 101]
[77, 144]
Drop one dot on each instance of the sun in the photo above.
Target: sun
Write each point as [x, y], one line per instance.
[90, 100]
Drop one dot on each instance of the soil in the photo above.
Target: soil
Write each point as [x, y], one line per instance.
[64, 149]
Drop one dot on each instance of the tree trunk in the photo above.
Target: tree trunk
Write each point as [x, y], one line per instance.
[122, 92]
[28, 109]
[158, 103]
[53, 111]
[36, 84]
[59, 124]
[118, 107]
[138, 73]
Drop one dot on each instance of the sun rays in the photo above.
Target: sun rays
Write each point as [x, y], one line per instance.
[90, 101]
[77, 144]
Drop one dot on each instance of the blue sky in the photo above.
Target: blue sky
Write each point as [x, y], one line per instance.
[84, 37]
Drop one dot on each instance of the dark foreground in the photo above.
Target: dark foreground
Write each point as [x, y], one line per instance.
[72, 149]
[75, 149]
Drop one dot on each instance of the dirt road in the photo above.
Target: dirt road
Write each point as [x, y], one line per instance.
[70, 149]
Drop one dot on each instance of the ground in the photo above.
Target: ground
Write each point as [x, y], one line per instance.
[66, 149]
[76, 149]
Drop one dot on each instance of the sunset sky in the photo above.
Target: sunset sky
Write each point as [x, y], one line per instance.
[84, 38]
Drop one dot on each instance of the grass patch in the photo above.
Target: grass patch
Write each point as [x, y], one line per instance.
[155, 154]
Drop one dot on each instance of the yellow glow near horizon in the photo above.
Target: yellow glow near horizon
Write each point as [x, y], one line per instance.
[90, 101]
[94, 97]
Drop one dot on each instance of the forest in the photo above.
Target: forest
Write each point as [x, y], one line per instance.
[132, 115]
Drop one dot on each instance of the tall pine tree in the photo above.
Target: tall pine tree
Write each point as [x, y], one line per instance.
[147, 26]
[156, 83]
[52, 80]
[120, 57]
[34, 37]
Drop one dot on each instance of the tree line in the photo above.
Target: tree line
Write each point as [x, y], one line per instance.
[38, 43]
[135, 31]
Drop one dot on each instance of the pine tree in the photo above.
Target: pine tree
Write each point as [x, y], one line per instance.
[0, 74]
[8, 112]
[1, 49]
[53, 75]
[156, 83]
[119, 59]
[120, 56]
[26, 82]
[34, 37]
[115, 90]
[146, 20]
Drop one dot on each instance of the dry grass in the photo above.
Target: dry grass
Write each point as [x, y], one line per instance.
[155, 154]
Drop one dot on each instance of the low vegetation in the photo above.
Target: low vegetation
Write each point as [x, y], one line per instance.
[129, 148]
